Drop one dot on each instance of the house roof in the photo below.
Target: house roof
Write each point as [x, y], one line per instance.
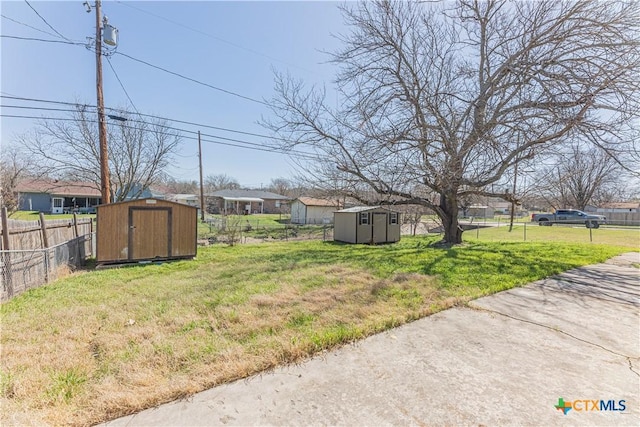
[311, 201]
[622, 205]
[257, 194]
[364, 209]
[500, 205]
[58, 188]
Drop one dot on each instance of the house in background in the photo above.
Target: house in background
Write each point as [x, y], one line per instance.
[57, 197]
[366, 224]
[137, 192]
[480, 211]
[186, 199]
[621, 207]
[309, 210]
[499, 207]
[243, 202]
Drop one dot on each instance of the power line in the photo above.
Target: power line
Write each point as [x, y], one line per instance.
[248, 98]
[45, 21]
[83, 106]
[220, 39]
[121, 85]
[27, 25]
[245, 144]
[146, 115]
[38, 108]
[248, 143]
[42, 40]
[192, 79]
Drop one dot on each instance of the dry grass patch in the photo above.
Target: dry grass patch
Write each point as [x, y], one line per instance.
[139, 349]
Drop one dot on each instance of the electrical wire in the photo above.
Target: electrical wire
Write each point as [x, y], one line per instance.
[233, 142]
[27, 25]
[202, 125]
[122, 85]
[192, 79]
[38, 108]
[248, 98]
[42, 40]
[45, 21]
[247, 144]
[220, 39]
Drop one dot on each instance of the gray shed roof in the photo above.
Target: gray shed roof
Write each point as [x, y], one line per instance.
[364, 209]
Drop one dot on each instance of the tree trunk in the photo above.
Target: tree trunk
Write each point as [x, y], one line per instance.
[448, 213]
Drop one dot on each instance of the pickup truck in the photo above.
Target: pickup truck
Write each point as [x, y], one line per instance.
[569, 216]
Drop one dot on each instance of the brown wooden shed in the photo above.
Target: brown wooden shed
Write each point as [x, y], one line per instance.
[366, 224]
[145, 229]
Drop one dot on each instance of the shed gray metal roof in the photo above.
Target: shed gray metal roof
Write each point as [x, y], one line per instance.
[364, 209]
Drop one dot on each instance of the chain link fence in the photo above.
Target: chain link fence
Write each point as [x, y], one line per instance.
[237, 230]
[21, 270]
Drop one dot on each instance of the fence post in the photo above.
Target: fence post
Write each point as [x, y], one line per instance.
[525, 231]
[75, 226]
[45, 244]
[6, 245]
[91, 239]
[43, 229]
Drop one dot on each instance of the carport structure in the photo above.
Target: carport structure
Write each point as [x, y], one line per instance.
[235, 203]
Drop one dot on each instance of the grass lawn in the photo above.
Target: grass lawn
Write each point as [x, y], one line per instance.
[610, 235]
[101, 344]
[35, 216]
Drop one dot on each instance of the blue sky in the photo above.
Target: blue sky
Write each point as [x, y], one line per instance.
[232, 45]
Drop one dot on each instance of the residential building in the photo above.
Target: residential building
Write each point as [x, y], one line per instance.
[56, 197]
[309, 210]
[243, 202]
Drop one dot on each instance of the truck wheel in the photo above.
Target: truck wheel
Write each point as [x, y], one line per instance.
[595, 224]
[544, 222]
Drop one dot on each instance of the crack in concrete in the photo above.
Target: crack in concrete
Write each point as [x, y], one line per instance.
[631, 367]
[628, 358]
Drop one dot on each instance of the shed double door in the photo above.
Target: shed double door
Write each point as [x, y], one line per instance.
[149, 232]
[379, 232]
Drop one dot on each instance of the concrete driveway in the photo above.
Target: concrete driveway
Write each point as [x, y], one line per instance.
[506, 359]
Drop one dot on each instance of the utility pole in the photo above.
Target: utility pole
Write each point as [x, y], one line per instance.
[201, 184]
[105, 185]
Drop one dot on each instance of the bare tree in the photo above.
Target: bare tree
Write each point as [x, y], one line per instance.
[281, 186]
[177, 186]
[412, 215]
[14, 166]
[448, 100]
[578, 175]
[220, 182]
[139, 150]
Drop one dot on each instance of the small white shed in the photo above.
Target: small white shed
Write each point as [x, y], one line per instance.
[366, 224]
[309, 210]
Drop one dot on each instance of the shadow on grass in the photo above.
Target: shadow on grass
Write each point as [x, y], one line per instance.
[483, 265]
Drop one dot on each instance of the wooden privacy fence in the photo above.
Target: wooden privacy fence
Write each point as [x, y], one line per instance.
[622, 218]
[33, 253]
